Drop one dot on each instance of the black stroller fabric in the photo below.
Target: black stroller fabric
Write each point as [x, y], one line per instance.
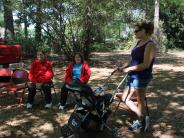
[89, 107]
[86, 92]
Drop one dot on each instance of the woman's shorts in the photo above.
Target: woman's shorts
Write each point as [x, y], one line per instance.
[137, 83]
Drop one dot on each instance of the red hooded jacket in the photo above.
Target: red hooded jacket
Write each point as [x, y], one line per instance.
[85, 73]
[41, 72]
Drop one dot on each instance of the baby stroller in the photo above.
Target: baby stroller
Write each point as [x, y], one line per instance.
[91, 106]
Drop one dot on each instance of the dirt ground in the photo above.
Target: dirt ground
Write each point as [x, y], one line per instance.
[165, 101]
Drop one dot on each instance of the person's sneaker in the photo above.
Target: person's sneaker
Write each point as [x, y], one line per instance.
[29, 106]
[61, 108]
[136, 126]
[48, 106]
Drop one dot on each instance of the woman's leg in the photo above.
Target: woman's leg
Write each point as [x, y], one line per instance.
[64, 95]
[139, 109]
[137, 87]
[141, 102]
[127, 94]
[32, 93]
[47, 92]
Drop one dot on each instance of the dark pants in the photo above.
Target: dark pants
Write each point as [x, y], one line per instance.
[64, 95]
[84, 90]
[46, 88]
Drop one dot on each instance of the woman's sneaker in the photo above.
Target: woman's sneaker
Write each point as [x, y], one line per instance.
[29, 106]
[48, 106]
[142, 125]
[136, 125]
[61, 108]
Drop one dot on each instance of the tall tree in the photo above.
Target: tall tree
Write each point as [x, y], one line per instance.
[8, 19]
[156, 22]
[25, 20]
[38, 26]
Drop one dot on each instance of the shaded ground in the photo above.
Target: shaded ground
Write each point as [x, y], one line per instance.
[165, 99]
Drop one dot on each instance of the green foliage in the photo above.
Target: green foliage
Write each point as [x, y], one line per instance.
[28, 46]
[116, 44]
[172, 15]
[163, 38]
[43, 47]
[103, 47]
[72, 24]
[1, 20]
[127, 44]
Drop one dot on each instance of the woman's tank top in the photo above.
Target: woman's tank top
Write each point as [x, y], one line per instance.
[137, 55]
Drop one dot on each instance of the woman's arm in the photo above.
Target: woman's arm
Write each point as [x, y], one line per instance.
[123, 67]
[48, 75]
[84, 78]
[32, 73]
[68, 74]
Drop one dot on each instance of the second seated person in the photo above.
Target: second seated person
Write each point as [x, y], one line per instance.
[77, 70]
[40, 75]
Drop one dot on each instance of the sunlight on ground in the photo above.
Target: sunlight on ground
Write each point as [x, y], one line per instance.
[98, 73]
[177, 54]
[16, 122]
[176, 105]
[46, 127]
[168, 67]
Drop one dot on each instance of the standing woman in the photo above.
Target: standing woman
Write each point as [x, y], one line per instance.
[140, 73]
[77, 70]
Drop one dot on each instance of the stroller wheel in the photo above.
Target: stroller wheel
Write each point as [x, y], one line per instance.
[116, 133]
[75, 122]
[66, 131]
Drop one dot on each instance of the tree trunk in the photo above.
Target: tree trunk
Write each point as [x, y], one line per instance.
[25, 28]
[25, 19]
[38, 26]
[146, 9]
[87, 34]
[156, 23]
[8, 19]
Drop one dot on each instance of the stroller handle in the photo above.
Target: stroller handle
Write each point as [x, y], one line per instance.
[114, 71]
[122, 81]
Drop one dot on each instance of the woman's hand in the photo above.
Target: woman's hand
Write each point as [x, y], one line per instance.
[126, 70]
[123, 69]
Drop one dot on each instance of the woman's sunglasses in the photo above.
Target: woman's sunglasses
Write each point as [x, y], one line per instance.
[137, 30]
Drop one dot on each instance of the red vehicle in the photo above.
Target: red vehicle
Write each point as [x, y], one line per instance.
[10, 54]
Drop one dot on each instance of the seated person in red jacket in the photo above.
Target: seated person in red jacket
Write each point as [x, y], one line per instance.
[40, 76]
[78, 70]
